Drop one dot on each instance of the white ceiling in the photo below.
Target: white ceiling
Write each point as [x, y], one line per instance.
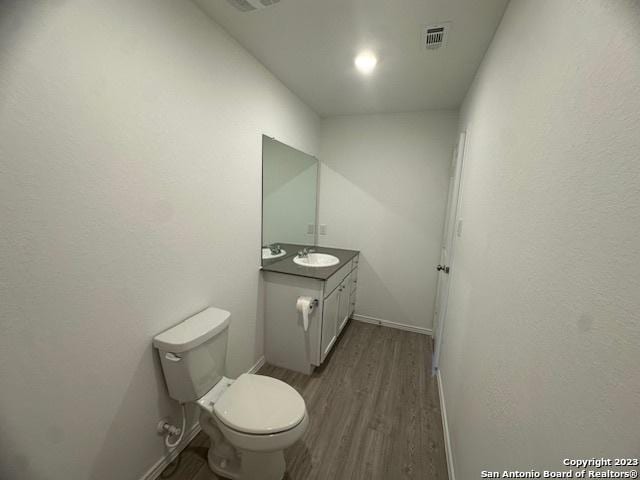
[310, 45]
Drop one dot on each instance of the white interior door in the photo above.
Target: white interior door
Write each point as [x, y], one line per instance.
[451, 228]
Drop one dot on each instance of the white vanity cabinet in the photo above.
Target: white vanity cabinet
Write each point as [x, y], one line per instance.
[339, 305]
[329, 330]
[287, 344]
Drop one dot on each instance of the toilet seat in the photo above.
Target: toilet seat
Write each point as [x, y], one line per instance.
[270, 442]
[259, 405]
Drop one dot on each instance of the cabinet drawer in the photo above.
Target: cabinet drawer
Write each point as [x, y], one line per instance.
[334, 280]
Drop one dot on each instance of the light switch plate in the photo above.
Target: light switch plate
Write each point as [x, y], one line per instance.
[323, 229]
[311, 229]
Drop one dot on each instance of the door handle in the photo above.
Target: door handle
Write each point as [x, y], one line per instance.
[442, 268]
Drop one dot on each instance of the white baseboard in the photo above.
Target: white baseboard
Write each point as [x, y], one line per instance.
[155, 471]
[445, 430]
[390, 324]
[258, 365]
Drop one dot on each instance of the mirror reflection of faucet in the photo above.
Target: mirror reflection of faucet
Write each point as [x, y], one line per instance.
[273, 250]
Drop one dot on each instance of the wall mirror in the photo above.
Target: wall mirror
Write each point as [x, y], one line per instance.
[289, 199]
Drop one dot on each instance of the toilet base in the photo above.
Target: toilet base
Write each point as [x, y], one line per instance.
[230, 462]
[222, 466]
[252, 466]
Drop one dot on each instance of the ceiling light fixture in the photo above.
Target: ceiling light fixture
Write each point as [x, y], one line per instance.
[365, 62]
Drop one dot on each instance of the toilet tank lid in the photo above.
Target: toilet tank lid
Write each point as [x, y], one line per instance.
[193, 331]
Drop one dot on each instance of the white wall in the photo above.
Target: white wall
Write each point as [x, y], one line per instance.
[383, 188]
[543, 337]
[130, 147]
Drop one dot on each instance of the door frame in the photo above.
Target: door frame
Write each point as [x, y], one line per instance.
[452, 231]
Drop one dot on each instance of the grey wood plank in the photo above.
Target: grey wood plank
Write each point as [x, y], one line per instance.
[374, 412]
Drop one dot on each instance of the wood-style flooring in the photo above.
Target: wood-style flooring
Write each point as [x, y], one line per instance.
[374, 413]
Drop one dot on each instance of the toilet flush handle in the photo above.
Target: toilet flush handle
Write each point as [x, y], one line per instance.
[172, 357]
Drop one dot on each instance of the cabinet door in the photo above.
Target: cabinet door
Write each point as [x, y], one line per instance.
[329, 322]
[345, 297]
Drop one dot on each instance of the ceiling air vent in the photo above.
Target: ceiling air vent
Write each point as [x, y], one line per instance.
[435, 36]
[250, 5]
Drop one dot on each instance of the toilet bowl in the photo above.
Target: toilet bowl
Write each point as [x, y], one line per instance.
[250, 420]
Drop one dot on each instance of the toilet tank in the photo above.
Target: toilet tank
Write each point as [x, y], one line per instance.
[193, 354]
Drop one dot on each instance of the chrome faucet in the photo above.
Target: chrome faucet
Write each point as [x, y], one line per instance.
[304, 253]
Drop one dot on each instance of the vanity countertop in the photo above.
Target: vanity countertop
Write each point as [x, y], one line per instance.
[285, 264]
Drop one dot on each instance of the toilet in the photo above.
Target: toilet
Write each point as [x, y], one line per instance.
[250, 420]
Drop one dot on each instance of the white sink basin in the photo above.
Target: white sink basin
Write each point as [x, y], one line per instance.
[267, 255]
[316, 260]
